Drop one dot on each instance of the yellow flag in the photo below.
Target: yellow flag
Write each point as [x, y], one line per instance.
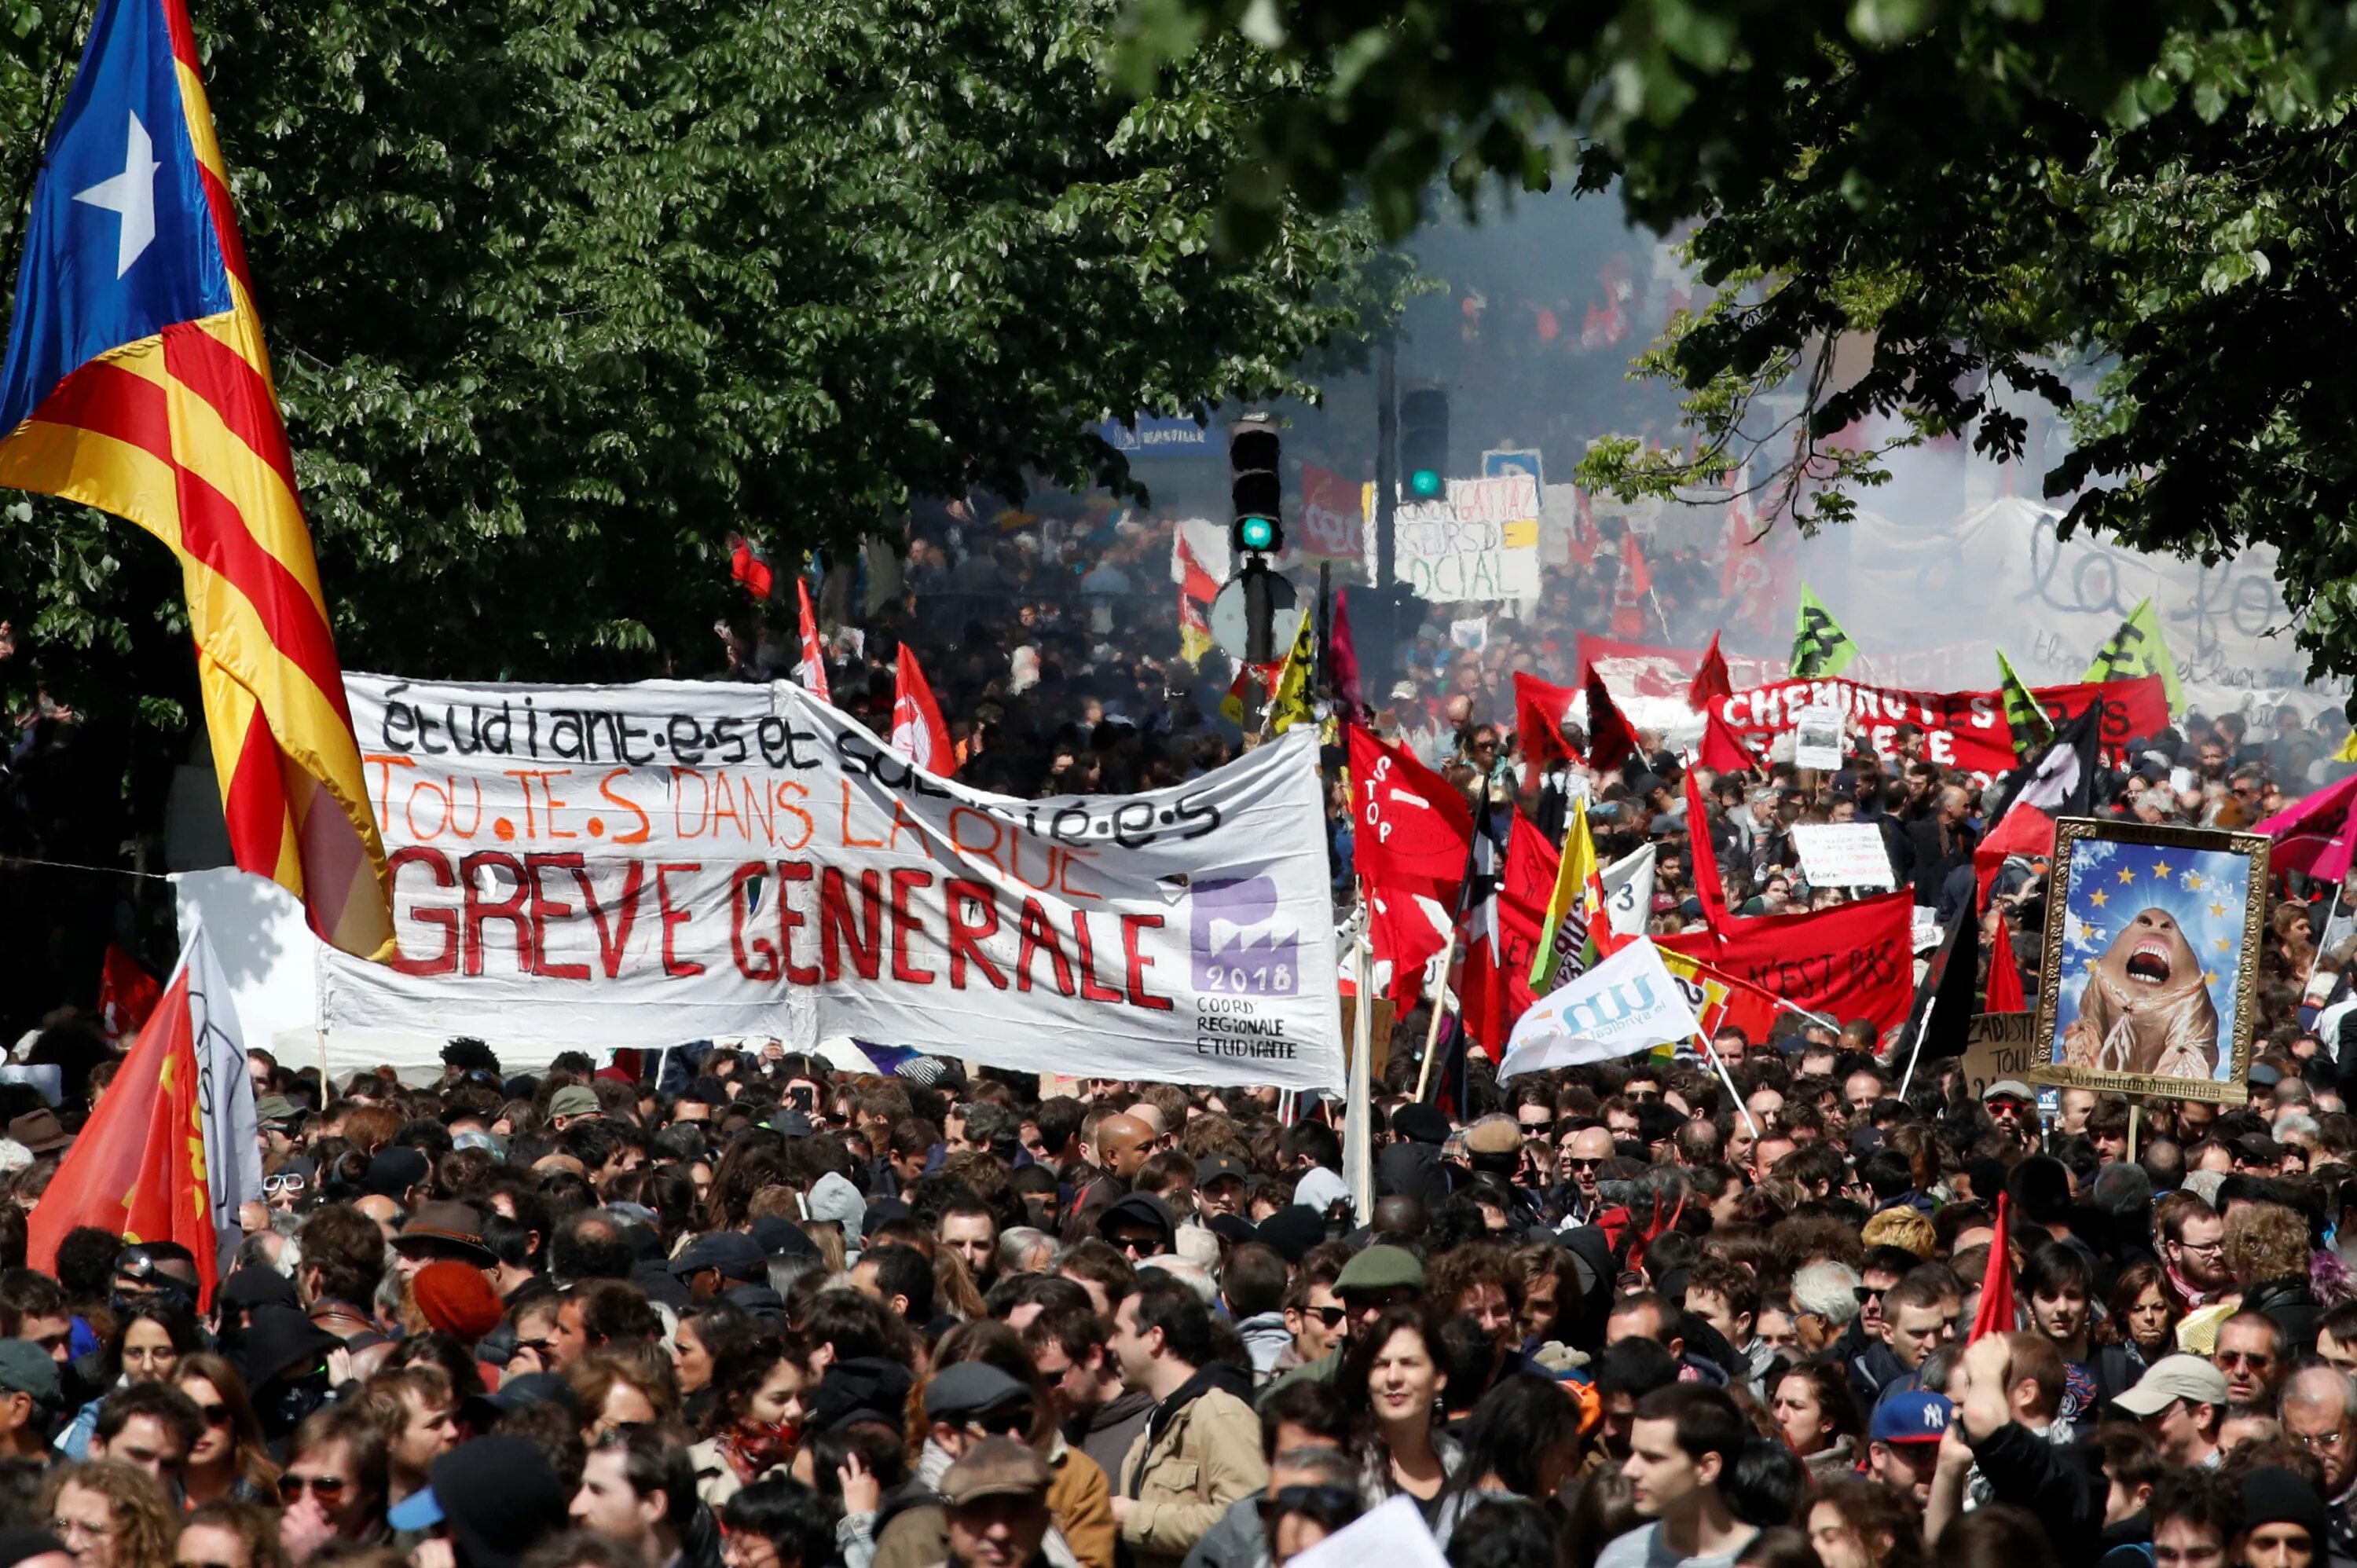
[2138, 650]
[2031, 728]
[1567, 941]
[1289, 704]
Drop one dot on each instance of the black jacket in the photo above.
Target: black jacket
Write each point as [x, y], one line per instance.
[2061, 1485]
[2292, 1307]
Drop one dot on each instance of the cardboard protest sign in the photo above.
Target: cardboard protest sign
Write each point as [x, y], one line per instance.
[2150, 978]
[1842, 855]
[1998, 1046]
[669, 861]
[1479, 544]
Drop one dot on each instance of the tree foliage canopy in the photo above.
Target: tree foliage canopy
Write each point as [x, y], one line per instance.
[561, 293]
[2140, 213]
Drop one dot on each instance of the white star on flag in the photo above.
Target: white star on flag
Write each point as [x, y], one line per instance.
[130, 195]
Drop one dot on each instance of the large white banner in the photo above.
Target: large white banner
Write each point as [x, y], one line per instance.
[644, 865]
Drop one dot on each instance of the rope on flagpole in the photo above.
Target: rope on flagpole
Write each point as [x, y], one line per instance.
[14, 861]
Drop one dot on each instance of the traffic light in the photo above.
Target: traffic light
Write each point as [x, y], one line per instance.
[1424, 444]
[1259, 492]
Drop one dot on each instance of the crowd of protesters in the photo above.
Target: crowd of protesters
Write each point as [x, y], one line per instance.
[766, 1314]
[774, 1316]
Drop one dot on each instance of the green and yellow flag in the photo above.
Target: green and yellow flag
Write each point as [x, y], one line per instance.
[1821, 649]
[1575, 910]
[2031, 728]
[2139, 649]
[1288, 702]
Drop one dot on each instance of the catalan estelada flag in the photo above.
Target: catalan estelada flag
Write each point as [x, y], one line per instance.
[137, 382]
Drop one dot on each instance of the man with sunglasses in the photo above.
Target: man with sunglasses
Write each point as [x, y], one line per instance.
[1582, 1159]
[334, 1487]
[2250, 1351]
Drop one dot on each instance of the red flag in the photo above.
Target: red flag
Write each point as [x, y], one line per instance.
[1713, 680]
[917, 732]
[1343, 654]
[127, 997]
[138, 1167]
[1633, 569]
[1853, 960]
[1610, 739]
[1708, 886]
[1628, 590]
[1539, 708]
[1411, 834]
[1996, 1315]
[1722, 750]
[1584, 536]
[811, 672]
[2025, 829]
[748, 566]
[2004, 991]
[1193, 581]
[1494, 986]
[2315, 835]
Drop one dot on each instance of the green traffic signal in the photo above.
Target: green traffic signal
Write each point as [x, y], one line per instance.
[1424, 484]
[1256, 532]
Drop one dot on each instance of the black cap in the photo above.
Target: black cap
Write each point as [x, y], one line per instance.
[1420, 1123]
[1211, 1167]
[968, 1390]
[776, 1235]
[1292, 1231]
[500, 1497]
[1136, 1208]
[1232, 1227]
[280, 1341]
[394, 1171]
[737, 1255]
[864, 1388]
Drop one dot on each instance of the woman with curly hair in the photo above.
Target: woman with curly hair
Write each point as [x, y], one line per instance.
[1859, 1523]
[755, 1419]
[110, 1515]
[2267, 1248]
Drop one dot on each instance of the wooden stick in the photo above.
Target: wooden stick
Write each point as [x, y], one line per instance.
[1439, 1010]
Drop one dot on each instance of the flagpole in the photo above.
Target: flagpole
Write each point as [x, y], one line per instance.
[1358, 1154]
[1439, 1011]
[1728, 1078]
[1915, 1053]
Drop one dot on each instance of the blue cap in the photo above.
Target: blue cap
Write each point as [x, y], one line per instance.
[418, 1510]
[1907, 1416]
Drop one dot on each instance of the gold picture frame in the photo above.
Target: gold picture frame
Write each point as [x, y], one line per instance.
[2141, 923]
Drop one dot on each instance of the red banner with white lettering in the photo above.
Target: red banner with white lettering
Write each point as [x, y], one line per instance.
[1853, 960]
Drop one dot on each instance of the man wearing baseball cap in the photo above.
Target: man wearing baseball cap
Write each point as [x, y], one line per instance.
[2181, 1400]
[1219, 1185]
[1903, 1444]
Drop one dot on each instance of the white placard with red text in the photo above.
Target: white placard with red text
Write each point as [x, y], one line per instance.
[669, 861]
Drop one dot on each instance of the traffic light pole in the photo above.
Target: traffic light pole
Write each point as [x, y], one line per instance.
[1387, 465]
[1260, 613]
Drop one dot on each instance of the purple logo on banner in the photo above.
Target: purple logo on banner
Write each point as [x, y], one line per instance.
[1237, 945]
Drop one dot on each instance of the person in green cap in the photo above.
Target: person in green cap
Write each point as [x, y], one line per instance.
[1378, 1277]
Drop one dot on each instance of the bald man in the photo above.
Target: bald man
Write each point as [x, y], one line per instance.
[1120, 1145]
[1154, 1123]
[1582, 1157]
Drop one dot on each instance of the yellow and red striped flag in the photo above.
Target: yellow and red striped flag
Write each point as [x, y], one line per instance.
[137, 382]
